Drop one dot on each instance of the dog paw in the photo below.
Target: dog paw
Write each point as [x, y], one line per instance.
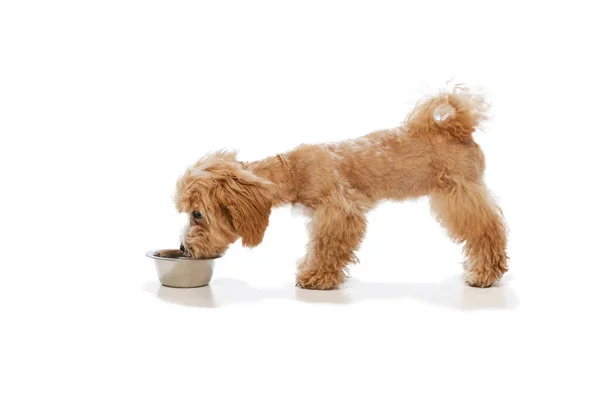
[317, 280]
[484, 275]
[476, 278]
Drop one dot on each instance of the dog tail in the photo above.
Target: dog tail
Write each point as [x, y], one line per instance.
[453, 115]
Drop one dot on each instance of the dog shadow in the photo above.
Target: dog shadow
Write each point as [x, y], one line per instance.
[450, 293]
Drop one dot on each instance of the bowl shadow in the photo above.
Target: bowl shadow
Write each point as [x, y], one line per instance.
[451, 293]
[219, 293]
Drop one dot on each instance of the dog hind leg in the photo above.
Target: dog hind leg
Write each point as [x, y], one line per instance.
[472, 217]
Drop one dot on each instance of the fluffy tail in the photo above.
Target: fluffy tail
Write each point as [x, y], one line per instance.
[453, 115]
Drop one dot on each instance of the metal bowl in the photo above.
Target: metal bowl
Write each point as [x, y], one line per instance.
[176, 270]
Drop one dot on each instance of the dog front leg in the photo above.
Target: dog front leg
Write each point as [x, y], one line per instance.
[334, 237]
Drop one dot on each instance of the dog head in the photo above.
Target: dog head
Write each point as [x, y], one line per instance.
[224, 202]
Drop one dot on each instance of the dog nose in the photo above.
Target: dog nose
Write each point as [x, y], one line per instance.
[181, 247]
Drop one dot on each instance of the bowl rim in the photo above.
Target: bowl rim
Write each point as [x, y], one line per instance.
[154, 254]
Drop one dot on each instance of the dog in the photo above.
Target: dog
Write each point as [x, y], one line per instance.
[432, 153]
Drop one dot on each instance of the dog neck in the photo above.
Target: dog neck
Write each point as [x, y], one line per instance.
[280, 171]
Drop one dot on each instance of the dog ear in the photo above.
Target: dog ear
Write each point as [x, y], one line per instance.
[248, 201]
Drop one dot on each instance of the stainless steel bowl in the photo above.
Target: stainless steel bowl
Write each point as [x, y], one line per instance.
[175, 270]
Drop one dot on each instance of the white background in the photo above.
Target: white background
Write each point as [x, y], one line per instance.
[102, 106]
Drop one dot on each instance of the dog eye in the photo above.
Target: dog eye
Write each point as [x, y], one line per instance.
[197, 214]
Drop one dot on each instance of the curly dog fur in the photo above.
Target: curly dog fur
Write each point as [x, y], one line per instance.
[431, 153]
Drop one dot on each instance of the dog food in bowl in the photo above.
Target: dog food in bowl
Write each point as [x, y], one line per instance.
[176, 270]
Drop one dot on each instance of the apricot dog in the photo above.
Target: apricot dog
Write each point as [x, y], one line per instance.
[432, 153]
